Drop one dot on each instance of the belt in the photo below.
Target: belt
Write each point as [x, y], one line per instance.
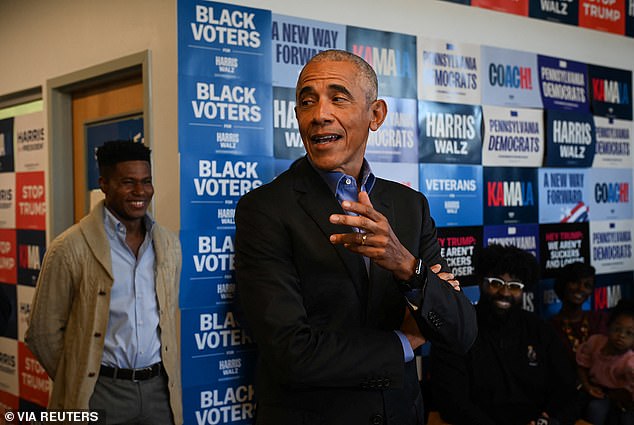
[132, 374]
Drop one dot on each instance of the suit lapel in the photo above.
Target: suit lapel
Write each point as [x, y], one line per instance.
[319, 203]
[383, 204]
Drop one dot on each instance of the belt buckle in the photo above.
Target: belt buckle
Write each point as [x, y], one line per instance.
[134, 373]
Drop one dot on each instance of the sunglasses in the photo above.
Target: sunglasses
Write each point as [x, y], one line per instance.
[496, 284]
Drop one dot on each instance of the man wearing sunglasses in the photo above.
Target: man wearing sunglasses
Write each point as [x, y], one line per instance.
[517, 372]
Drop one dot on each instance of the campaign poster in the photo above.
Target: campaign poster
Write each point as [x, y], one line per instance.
[25, 298]
[604, 15]
[405, 174]
[561, 11]
[34, 382]
[218, 359]
[548, 302]
[7, 162]
[609, 191]
[512, 137]
[516, 7]
[9, 365]
[570, 139]
[611, 92]
[31, 248]
[30, 200]
[563, 196]
[449, 72]
[510, 78]
[7, 200]
[224, 402]
[296, 40]
[215, 345]
[611, 246]
[30, 144]
[224, 41]
[510, 195]
[219, 116]
[287, 142]
[392, 55]
[454, 193]
[397, 139]
[563, 244]
[563, 84]
[8, 256]
[610, 288]
[522, 236]
[613, 143]
[629, 18]
[460, 246]
[449, 133]
[208, 274]
[212, 185]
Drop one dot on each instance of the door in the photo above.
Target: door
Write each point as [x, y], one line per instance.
[108, 102]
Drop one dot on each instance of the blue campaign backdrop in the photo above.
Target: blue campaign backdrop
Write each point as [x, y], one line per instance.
[397, 139]
[570, 139]
[563, 84]
[454, 193]
[392, 55]
[609, 192]
[296, 40]
[563, 195]
[510, 78]
[510, 195]
[611, 92]
[449, 133]
[237, 68]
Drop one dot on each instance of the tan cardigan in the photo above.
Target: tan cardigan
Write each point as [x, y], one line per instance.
[70, 309]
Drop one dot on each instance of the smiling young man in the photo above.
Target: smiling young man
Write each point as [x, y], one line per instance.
[517, 370]
[104, 320]
[323, 255]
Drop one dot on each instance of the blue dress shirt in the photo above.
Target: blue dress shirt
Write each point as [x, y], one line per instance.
[132, 338]
[345, 188]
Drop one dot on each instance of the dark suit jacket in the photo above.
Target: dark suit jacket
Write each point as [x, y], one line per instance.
[328, 353]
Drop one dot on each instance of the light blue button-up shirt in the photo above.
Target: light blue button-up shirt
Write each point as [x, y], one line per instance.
[132, 338]
[345, 189]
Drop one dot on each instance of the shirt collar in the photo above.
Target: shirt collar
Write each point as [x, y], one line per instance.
[332, 178]
[114, 226]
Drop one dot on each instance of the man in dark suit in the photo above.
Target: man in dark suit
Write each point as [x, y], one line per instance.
[322, 268]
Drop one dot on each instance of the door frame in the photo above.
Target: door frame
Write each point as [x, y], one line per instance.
[58, 99]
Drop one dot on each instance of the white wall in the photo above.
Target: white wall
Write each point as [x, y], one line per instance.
[43, 39]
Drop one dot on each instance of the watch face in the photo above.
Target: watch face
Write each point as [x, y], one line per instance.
[419, 267]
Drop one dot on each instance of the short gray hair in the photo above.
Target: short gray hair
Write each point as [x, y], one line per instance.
[365, 69]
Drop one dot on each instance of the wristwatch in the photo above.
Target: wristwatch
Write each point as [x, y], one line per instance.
[417, 279]
[418, 271]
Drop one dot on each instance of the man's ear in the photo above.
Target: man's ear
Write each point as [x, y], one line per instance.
[378, 109]
[102, 184]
